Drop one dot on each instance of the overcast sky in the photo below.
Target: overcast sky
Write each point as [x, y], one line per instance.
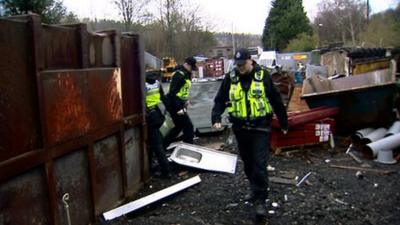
[227, 15]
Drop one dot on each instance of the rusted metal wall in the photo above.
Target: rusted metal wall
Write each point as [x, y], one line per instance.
[102, 49]
[132, 76]
[60, 54]
[133, 158]
[64, 126]
[71, 173]
[75, 95]
[24, 199]
[108, 179]
[131, 64]
[19, 113]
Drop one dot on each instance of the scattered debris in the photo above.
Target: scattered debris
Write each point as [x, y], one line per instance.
[270, 168]
[127, 208]
[340, 201]
[352, 155]
[303, 179]
[183, 173]
[231, 205]
[275, 205]
[308, 183]
[281, 180]
[384, 172]
[361, 176]
[287, 174]
[215, 197]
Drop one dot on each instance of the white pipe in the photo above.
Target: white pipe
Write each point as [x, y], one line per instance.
[394, 129]
[365, 131]
[358, 135]
[375, 135]
[387, 143]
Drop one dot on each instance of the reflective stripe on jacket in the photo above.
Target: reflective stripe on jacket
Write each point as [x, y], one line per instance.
[185, 89]
[248, 105]
[153, 96]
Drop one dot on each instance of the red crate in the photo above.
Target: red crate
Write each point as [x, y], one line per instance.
[314, 132]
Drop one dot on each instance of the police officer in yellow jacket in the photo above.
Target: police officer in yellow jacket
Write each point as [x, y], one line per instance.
[178, 100]
[155, 119]
[251, 98]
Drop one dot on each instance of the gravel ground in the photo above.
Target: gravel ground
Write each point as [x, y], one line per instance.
[330, 195]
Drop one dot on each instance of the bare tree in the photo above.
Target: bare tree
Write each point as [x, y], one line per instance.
[133, 12]
[383, 29]
[341, 20]
[179, 30]
[169, 19]
[185, 30]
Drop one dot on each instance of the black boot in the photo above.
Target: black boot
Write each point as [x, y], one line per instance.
[260, 207]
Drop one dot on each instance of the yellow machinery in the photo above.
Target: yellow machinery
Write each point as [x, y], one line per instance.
[168, 65]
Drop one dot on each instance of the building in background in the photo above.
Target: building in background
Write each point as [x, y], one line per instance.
[221, 51]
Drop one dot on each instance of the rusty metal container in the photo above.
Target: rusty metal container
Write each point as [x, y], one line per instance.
[72, 117]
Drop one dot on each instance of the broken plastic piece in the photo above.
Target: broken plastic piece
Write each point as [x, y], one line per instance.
[129, 207]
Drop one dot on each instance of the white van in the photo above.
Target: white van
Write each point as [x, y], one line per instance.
[267, 59]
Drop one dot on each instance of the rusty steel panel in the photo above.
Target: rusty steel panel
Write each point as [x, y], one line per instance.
[72, 176]
[66, 106]
[76, 102]
[134, 161]
[19, 114]
[24, 199]
[105, 96]
[108, 174]
[131, 75]
[61, 47]
[102, 49]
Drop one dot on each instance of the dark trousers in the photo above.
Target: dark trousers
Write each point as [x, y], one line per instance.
[254, 151]
[155, 145]
[182, 123]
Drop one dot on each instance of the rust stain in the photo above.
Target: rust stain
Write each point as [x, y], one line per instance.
[68, 115]
[105, 96]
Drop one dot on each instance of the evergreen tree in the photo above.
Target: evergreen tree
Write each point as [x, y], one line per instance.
[51, 11]
[286, 20]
